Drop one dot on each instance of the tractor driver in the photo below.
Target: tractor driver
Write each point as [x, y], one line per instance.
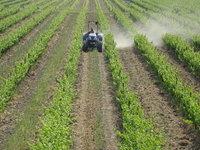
[91, 31]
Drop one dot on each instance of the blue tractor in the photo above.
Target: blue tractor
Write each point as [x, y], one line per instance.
[92, 40]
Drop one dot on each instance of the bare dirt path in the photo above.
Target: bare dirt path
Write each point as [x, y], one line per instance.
[19, 122]
[94, 110]
[182, 69]
[110, 112]
[158, 104]
[84, 111]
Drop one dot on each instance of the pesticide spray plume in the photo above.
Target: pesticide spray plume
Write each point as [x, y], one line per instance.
[155, 31]
[121, 38]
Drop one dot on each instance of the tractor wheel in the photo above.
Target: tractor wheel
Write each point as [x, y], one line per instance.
[100, 48]
[85, 48]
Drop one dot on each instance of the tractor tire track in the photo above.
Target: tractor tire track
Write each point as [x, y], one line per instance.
[83, 137]
[157, 104]
[110, 111]
[95, 111]
[34, 93]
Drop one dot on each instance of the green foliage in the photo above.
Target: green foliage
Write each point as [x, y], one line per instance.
[121, 17]
[9, 11]
[55, 133]
[184, 52]
[10, 3]
[185, 97]
[196, 41]
[7, 22]
[101, 17]
[27, 11]
[22, 67]
[166, 14]
[133, 13]
[13, 37]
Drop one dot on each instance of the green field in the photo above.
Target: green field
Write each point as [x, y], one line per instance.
[141, 93]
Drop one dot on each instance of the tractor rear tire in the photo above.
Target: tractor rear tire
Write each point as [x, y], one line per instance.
[100, 48]
[85, 48]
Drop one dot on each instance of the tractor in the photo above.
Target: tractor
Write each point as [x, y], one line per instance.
[92, 40]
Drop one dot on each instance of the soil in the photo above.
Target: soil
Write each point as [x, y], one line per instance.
[95, 111]
[83, 136]
[110, 108]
